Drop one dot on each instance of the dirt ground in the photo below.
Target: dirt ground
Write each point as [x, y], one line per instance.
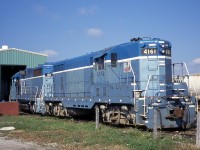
[14, 144]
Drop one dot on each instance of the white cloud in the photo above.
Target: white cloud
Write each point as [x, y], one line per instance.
[94, 32]
[87, 10]
[50, 53]
[43, 11]
[194, 66]
[196, 61]
[71, 32]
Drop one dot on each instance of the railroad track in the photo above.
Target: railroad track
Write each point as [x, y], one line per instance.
[180, 134]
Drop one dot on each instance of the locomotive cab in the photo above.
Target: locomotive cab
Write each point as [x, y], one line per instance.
[136, 79]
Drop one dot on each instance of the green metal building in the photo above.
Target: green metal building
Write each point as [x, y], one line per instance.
[11, 61]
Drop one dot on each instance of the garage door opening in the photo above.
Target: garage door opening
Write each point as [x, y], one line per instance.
[7, 71]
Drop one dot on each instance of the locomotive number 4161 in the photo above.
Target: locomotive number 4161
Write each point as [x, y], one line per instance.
[149, 51]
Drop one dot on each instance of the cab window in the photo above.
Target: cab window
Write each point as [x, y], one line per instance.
[99, 63]
[113, 59]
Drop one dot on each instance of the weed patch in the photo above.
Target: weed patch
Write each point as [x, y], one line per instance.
[82, 135]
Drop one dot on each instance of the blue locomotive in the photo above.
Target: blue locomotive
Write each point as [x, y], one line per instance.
[127, 82]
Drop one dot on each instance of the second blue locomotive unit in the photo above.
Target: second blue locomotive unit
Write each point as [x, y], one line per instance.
[127, 82]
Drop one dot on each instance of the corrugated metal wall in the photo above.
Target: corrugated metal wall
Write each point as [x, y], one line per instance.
[20, 57]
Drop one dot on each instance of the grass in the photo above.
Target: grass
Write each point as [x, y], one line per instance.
[70, 134]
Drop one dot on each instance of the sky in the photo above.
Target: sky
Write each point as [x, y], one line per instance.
[69, 28]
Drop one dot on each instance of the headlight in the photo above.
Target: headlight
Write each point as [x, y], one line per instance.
[163, 51]
[186, 99]
[158, 101]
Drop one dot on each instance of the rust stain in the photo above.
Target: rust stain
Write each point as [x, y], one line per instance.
[178, 113]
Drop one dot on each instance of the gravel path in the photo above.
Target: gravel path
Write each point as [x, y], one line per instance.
[13, 144]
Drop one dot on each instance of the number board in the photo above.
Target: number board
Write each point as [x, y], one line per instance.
[149, 51]
[168, 52]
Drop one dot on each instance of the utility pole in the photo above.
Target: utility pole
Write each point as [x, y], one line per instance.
[97, 116]
[198, 130]
[155, 117]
